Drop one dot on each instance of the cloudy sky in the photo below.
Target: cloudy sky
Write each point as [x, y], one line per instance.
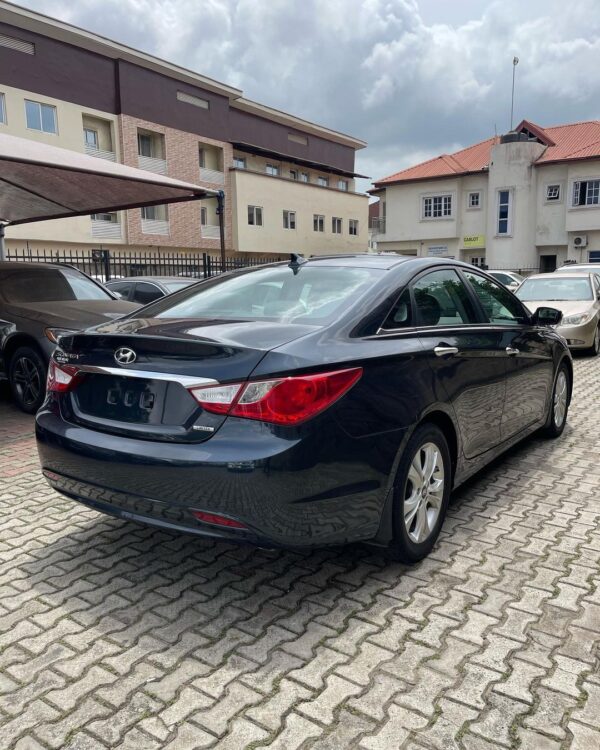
[414, 78]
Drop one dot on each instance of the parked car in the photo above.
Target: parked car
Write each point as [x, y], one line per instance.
[146, 289]
[38, 303]
[510, 279]
[577, 296]
[587, 267]
[318, 402]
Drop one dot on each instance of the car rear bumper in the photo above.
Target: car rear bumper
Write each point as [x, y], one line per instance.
[320, 489]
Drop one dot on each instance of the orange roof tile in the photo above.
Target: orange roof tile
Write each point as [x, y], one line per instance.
[579, 140]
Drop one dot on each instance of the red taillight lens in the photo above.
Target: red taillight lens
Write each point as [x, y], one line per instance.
[61, 378]
[218, 520]
[284, 401]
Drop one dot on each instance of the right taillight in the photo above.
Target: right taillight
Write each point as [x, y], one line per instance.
[61, 378]
[283, 401]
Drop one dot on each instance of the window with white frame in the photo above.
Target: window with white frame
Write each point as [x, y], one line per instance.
[586, 193]
[318, 223]
[504, 213]
[322, 181]
[353, 226]
[272, 169]
[155, 213]
[474, 199]
[437, 206]
[289, 219]
[2, 109]
[90, 137]
[336, 225]
[342, 184]
[304, 177]
[145, 145]
[40, 116]
[239, 162]
[255, 216]
[552, 193]
[111, 218]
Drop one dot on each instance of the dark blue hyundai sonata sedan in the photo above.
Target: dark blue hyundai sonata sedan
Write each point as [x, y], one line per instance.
[313, 402]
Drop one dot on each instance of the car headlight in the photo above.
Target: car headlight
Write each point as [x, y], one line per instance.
[579, 319]
[53, 334]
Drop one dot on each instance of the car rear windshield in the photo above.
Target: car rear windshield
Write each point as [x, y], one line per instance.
[48, 285]
[311, 295]
[555, 289]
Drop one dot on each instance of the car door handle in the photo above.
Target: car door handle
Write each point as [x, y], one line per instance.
[445, 351]
[512, 352]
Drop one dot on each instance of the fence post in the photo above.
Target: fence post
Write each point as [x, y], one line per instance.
[2, 245]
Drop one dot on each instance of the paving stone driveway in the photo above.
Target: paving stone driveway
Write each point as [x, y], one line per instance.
[114, 635]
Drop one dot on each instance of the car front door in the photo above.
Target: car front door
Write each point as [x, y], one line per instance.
[145, 292]
[528, 352]
[467, 359]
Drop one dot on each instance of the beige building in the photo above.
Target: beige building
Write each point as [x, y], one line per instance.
[526, 201]
[289, 184]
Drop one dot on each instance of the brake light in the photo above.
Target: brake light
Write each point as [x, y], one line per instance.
[61, 378]
[283, 401]
[217, 520]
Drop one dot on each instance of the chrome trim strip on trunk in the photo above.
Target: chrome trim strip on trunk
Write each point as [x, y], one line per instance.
[187, 381]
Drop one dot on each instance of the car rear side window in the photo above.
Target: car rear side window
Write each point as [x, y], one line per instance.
[23, 285]
[499, 305]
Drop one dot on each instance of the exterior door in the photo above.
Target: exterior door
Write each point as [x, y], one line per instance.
[528, 353]
[467, 360]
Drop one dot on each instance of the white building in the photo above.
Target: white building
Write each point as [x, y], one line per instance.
[525, 201]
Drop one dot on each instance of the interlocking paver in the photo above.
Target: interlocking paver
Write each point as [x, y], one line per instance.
[115, 635]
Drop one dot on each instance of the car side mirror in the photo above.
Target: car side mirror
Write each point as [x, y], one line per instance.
[547, 316]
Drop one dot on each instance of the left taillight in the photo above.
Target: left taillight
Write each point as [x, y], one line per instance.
[61, 378]
[282, 401]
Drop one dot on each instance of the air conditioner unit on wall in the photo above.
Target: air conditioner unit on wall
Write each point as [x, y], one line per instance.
[580, 240]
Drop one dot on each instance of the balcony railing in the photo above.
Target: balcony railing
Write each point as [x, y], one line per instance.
[210, 232]
[155, 226]
[107, 230]
[377, 224]
[151, 164]
[100, 153]
[212, 175]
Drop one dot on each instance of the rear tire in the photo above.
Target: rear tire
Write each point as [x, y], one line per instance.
[559, 404]
[421, 494]
[27, 379]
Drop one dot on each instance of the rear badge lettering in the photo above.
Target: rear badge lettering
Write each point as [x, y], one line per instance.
[202, 428]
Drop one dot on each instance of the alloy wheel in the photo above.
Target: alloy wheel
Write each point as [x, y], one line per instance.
[424, 492]
[27, 381]
[560, 399]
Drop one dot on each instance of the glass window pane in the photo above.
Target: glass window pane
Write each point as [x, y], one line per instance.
[48, 119]
[402, 315]
[441, 299]
[499, 305]
[32, 113]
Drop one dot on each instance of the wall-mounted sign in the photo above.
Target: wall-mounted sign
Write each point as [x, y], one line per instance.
[437, 250]
[474, 240]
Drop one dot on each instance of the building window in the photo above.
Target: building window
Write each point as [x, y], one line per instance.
[145, 145]
[353, 227]
[322, 181]
[478, 261]
[40, 117]
[475, 200]
[203, 216]
[239, 162]
[342, 184]
[553, 193]
[201, 157]
[336, 225]
[112, 218]
[2, 109]
[90, 138]
[155, 213]
[196, 101]
[273, 170]
[293, 174]
[20, 45]
[586, 193]
[504, 222]
[255, 217]
[304, 177]
[318, 222]
[289, 219]
[437, 206]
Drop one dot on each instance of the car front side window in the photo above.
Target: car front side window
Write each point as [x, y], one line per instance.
[499, 305]
[441, 299]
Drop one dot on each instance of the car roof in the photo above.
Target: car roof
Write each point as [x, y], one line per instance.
[385, 261]
[13, 264]
[558, 275]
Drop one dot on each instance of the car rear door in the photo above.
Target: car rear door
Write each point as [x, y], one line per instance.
[467, 359]
[526, 348]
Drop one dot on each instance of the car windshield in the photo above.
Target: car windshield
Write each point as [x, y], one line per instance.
[312, 294]
[555, 289]
[175, 286]
[48, 285]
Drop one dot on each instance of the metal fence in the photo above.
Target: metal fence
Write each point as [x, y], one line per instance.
[104, 265]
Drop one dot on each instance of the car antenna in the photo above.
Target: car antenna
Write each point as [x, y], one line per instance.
[296, 260]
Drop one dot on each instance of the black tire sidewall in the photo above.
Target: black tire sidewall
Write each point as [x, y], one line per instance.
[402, 547]
[551, 429]
[34, 356]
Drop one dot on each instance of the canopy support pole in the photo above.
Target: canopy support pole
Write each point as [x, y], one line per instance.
[221, 215]
[2, 245]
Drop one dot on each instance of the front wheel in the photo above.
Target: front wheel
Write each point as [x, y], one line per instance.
[595, 347]
[559, 404]
[27, 378]
[421, 494]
